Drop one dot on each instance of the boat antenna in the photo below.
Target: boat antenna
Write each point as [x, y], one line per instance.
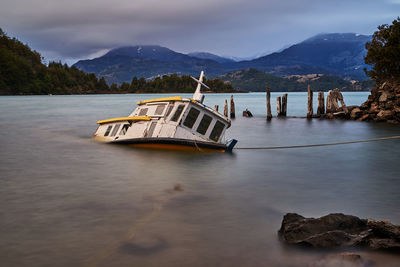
[198, 96]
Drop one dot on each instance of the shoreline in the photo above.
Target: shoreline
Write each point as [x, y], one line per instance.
[236, 92]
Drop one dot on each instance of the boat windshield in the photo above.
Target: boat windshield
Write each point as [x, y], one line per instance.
[159, 110]
[143, 111]
[178, 113]
[217, 131]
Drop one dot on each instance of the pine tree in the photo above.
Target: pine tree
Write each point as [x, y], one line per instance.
[384, 53]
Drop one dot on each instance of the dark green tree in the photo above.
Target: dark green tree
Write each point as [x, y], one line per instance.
[141, 85]
[384, 53]
[113, 88]
[134, 85]
[124, 88]
[102, 86]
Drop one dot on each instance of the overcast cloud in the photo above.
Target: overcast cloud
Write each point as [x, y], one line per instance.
[72, 30]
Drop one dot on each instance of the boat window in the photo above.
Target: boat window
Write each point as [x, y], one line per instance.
[191, 117]
[143, 112]
[151, 129]
[115, 130]
[159, 110]
[178, 113]
[108, 130]
[204, 124]
[217, 130]
[124, 129]
[169, 110]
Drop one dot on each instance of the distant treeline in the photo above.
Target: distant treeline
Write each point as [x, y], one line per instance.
[23, 73]
[175, 83]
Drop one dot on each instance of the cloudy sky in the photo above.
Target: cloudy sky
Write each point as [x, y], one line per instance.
[69, 30]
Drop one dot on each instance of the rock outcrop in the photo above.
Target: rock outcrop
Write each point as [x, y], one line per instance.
[339, 230]
[383, 104]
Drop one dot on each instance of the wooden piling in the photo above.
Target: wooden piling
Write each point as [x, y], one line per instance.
[226, 108]
[269, 114]
[321, 103]
[310, 103]
[278, 106]
[216, 107]
[284, 105]
[330, 106]
[232, 108]
[332, 99]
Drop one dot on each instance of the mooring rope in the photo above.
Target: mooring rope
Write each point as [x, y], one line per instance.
[327, 144]
[195, 143]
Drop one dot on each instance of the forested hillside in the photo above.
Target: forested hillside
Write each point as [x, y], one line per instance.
[255, 81]
[23, 72]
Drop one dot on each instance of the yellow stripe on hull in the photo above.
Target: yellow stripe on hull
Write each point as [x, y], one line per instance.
[176, 147]
[173, 98]
[124, 119]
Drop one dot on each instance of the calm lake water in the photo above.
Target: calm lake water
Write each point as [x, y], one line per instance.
[66, 200]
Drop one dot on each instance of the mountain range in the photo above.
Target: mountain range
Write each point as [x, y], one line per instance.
[340, 54]
[206, 55]
[335, 54]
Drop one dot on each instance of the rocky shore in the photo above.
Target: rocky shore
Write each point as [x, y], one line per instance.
[383, 105]
[339, 230]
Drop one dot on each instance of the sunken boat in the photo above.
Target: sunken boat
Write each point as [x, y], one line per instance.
[170, 123]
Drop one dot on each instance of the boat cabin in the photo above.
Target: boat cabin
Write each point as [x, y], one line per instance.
[171, 117]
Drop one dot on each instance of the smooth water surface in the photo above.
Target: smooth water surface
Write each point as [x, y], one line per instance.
[66, 200]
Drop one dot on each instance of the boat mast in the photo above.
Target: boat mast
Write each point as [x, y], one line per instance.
[198, 96]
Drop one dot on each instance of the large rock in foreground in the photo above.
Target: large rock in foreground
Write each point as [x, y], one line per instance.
[339, 230]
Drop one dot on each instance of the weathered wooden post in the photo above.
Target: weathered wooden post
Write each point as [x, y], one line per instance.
[329, 102]
[332, 105]
[284, 105]
[232, 108]
[310, 103]
[269, 114]
[226, 108]
[216, 107]
[340, 97]
[321, 103]
[278, 105]
[247, 113]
